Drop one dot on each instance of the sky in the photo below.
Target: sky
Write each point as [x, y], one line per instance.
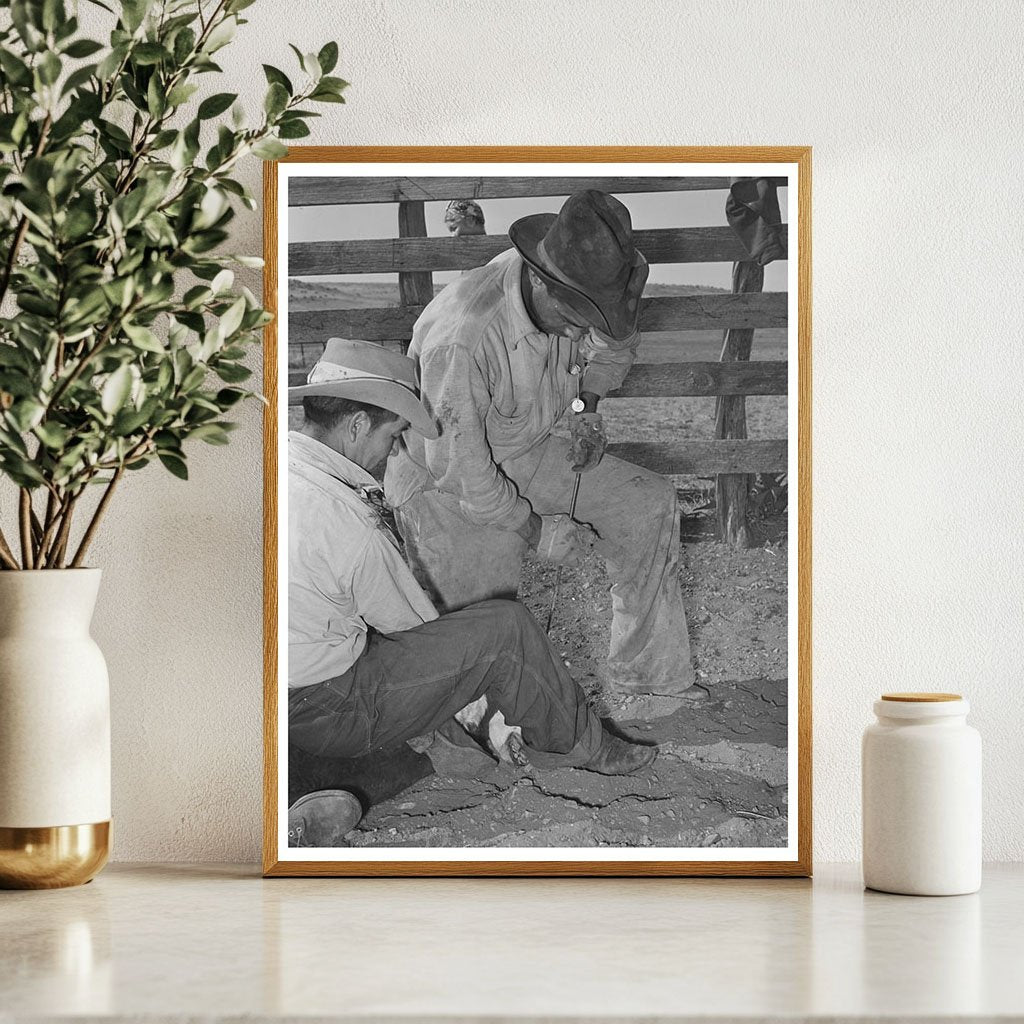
[648, 210]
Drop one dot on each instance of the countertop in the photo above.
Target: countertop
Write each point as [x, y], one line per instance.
[180, 941]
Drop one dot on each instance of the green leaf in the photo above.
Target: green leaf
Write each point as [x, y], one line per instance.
[175, 465]
[144, 338]
[181, 94]
[274, 76]
[232, 373]
[333, 84]
[49, 68]
[293, 130]
[232, 319]
[214, 105]
[211, 433]
[276, 100]
[78, 78]
[328, 57]
[269, 149]
[149, 53]
[16, 70]
[53, 435]
[26, 414]
[323, 96]
[222, 281]
[221, 35]
[116, 390]
[184, 44]
[83, 48]
[133, 12]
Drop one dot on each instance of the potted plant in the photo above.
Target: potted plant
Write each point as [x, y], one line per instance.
[122, 340]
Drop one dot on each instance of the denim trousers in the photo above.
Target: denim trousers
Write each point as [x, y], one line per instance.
[411, 683]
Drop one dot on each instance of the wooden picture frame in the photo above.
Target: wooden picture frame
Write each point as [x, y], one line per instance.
[629, 170]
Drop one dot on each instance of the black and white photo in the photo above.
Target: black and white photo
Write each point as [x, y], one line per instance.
[539, 446]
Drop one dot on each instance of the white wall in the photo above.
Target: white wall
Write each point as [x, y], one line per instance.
[914, 113]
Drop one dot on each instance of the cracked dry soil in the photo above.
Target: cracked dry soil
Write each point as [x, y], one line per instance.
[721, 775]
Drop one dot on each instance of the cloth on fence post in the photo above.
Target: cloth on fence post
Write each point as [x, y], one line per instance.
[752, 209]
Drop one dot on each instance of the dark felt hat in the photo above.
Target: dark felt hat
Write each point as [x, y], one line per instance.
[586, 251]
[363, 372]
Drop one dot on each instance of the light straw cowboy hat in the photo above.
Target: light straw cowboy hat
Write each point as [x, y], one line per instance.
[363, 372]
[586, 250]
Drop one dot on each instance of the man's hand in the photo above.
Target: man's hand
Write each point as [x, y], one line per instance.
[564, 541]
[588, 441]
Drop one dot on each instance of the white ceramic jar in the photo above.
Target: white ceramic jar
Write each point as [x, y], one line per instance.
[921, 776]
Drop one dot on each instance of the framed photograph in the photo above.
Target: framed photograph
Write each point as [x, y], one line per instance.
[538, 511]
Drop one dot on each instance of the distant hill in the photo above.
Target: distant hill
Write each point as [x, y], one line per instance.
[304, 295]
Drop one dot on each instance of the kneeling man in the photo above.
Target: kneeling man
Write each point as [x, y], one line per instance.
[370, 663]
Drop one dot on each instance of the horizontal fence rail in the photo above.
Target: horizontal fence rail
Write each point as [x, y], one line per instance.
[319, 191]
[403, 255]
[651, 380]
[705, 458]
[704, 380]
[703, 311]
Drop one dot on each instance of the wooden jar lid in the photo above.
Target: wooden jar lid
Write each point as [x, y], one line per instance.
[921, 698]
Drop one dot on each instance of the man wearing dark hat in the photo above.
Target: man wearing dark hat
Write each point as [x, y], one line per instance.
[503, 352]
[370, 663]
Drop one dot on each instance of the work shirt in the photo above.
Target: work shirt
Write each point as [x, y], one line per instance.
[345, 573]
[496, 385]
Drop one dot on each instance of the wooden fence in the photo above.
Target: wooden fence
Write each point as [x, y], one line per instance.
[413, 256]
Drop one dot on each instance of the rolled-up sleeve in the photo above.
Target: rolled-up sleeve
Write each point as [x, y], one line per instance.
[460, 459]
[606, 366]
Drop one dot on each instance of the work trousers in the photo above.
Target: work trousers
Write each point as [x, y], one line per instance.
[411, 683]
[636, 515]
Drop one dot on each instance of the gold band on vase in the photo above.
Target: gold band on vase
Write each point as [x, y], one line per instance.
[52, 857]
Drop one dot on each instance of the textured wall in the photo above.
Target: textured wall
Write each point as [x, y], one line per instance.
[914, 115]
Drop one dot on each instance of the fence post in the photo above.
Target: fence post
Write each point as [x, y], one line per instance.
[731, 419]
[415, 288]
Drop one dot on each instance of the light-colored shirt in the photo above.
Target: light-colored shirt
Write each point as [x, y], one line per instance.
[345, 574]
[496, 385]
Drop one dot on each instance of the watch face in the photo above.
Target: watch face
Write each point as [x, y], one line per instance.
[577, 405]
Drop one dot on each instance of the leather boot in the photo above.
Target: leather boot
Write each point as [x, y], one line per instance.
[323, 818]
[617, 756]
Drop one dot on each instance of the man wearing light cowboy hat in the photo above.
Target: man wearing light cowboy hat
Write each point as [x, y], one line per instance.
[370, 663]
[503, 352]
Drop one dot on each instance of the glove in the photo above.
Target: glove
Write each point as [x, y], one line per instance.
[563, 540]
[588, 441]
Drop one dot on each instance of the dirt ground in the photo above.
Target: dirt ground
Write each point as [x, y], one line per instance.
[720, 778]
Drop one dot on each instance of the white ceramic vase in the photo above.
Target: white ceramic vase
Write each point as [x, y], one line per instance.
[54, 731]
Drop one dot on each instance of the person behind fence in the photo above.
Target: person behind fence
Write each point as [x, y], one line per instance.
[370, 662]
[502, 352]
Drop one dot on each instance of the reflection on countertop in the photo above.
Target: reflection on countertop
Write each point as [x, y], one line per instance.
[214, 941]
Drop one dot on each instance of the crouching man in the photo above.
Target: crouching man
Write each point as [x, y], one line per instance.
[370, 663]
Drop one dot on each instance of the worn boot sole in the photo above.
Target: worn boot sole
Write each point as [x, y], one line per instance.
[323, 819]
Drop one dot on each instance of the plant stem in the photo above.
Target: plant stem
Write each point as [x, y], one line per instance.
[56, 555]
[6, 554]
[54, 506]
[94, 523]
[25, 522]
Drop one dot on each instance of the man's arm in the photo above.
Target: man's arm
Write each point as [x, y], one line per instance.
[460, 460]
[384, 590]
[608, 362]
